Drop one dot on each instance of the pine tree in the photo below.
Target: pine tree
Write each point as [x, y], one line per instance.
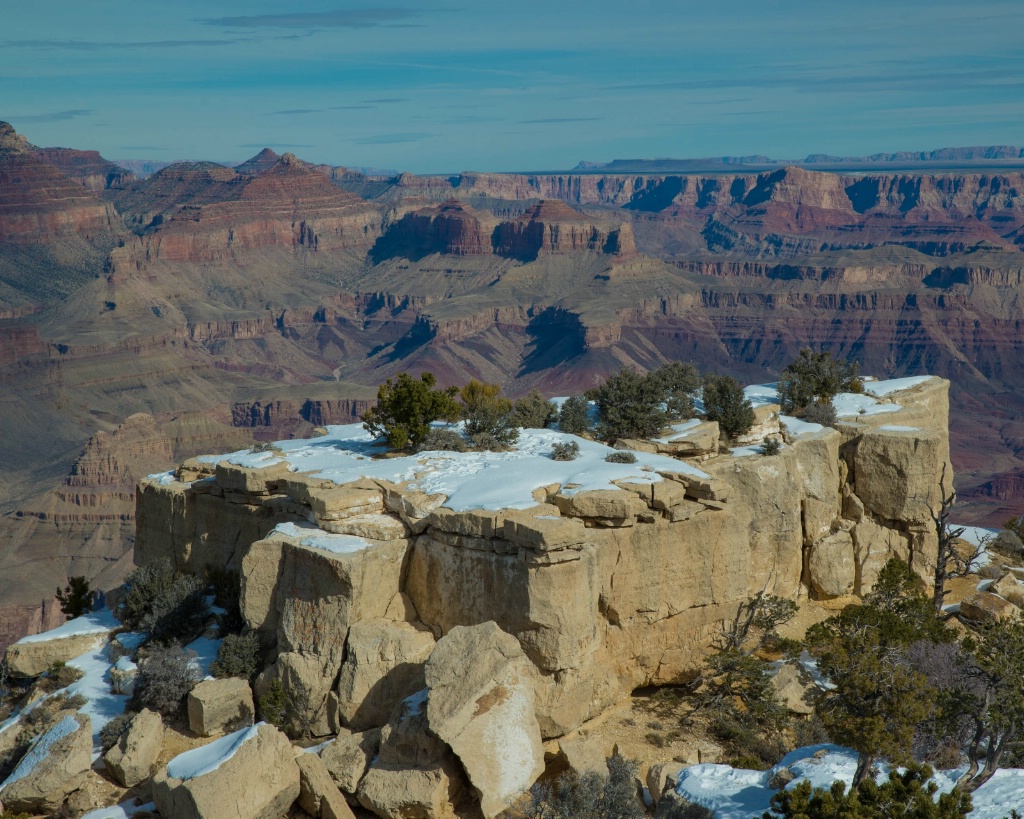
[406, 407]
[77, 598]
[725, 402]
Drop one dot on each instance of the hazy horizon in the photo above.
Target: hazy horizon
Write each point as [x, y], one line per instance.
[532, 86]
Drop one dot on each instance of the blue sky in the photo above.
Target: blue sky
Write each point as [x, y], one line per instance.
[523, 85]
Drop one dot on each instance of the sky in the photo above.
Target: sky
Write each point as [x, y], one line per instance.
[450, 85]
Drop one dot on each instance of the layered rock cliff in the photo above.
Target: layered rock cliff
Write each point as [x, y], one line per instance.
[610, 576]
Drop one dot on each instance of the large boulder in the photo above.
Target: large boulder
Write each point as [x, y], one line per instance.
[32, 655]
[832, 568]
[481, 703]
[985, 607]
[897, 471]
[215, 706]
[133, 758]
[56, 764]
[792, 690]
[349, 756]
[383, 665]
[249, 773]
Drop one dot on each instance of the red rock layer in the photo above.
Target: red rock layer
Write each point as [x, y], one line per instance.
[87, 168]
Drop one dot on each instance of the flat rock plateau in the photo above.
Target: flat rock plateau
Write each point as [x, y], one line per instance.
[199, 309]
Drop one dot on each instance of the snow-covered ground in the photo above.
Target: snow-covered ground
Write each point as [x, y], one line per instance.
[734, 793]
[470, 480]
[95, 622]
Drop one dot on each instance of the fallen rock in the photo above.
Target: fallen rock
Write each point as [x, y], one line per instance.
[215, 706]
[791, 690]
[375, 527]
[832, 566]
[481, 703]
[134, 757]
[250, 773]
[349, 756]
[56, 764]
[1009, 588]
[383, 665]
[781, 778]
[32, 655]
[897, 470]
[661, 777]
[986, 607]
[318, 795]
[584, 754]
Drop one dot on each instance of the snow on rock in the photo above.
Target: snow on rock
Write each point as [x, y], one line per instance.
[896, 428]
[122, 811]
[761, 395]
[880, 389]
[797, 426]
[208, 758]
[316, 538]
[206, 652]
[40, 750]
[95, 622]
[470, 480]
[849, 404]
[678, 431]
[101, 704]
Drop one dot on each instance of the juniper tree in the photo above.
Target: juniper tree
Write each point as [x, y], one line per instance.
[406, 407]
[76, 598]
[816, 378]
[572, 417]
[487, 412]
[725, 402]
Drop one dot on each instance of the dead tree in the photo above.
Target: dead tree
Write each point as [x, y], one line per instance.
[950, 562]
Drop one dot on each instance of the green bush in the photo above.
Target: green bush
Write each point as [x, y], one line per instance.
[59, 675]
[406, 407]
[488, 442]
[908, 794]
[443, 440]
[164, 602]
[165, 677]
[238, 656]
[818, 413]
[534, 412]
[771, 446]
[487, 412]
[573, 416]
[621, 456]
[816, 378]
[76, 598]
[725, 402]
[565, 451]
[272, 705]
[679, 381]
[588, 795]
[630, 405]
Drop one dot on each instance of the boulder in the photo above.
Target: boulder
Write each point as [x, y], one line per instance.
[832, 567]
[481, 703]
[584, 755]
[792, 690]
[261, 572]
[349, 756]
[700, 439]
[1009, 588]
[250, 773]
[318, 795]
[56, 764]
[414, 773]
[661, 777]
[215, 706]
[612, 504]
[134, 757]
[122, 676]
[986, 607]
[873, 546]
[383, 665]
[33, 655]
[375, 527]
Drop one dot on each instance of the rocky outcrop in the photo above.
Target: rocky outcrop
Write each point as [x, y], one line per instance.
[250, 773]
[33, 655]
[216, 706]
[87, 168]
[553, 227]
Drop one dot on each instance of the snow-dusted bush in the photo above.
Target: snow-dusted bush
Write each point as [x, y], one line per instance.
[113, 730]
[443, 440]
[406, 407]
[725, 402]
[816, 378]
[488, 414]
[164, 602]
[824, 414]
[587, 796]
[621, 456]
[534, 412]
[165, 677]
[565, 451]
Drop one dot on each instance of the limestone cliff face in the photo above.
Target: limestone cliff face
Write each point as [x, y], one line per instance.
[87, 168]
[606, 590]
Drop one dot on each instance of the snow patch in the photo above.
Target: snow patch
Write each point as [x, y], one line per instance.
[96, 622]
[40, 749]
[208, 758]
[101, 704]
[849, 404]
[122, 811]
[895, 428]
[879, 389]
[797, 426]
[315, 538]
[206, 652]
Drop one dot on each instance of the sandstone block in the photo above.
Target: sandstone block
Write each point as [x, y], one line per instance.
[481, 703]
[249, 773]
[701, 439]
[248, 480]
[56, 764]
[473, 523]
[661, 777]
[344, 502]
[410, 793]
[318, 795]
[1008, 587]
[410, 503]
[873, 546]
[375, 527]
[383, 665]
[261, 572]
[544, 534]
[349, 757]
[33, 655]
[134, 757]
[584, 754]
[216, 706]
[897, 471]
[832, 567]
[603, 503]
[986, 607]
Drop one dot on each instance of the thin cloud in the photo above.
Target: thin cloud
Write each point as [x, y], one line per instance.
[392, 139]
[550, 120]
[54, 116]
[339, 18]
[99, 45]
[262, 145]
[141, 148]
[387, 100]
